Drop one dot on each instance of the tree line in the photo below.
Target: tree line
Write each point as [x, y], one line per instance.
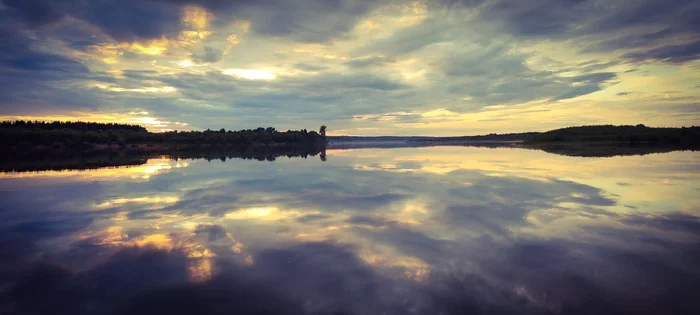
[72, 125]
[24, 134]
[639, 134]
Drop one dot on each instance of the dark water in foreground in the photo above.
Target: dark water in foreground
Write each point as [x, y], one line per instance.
[441, 230]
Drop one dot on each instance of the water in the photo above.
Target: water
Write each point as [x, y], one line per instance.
[439, 230]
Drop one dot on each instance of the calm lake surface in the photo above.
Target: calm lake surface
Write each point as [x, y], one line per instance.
[438, 230]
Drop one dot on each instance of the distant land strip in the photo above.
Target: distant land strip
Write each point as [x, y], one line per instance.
[36, 145]
[585, 141]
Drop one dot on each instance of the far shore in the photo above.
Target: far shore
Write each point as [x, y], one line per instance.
[26, 138]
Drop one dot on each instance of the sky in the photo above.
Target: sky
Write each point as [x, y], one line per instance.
[360, 67]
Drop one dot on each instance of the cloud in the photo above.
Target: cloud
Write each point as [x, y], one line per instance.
[495, 75]
[29, 77]
[35, 13]
[319, 63]
[368, 61]
[640, 25]
[350, 81]
[210, 55]
[213, 232]
[309, 67]
[121, 20]
[312, 217]
[586, 84]
[411, 39]
[668, 53]
[307, 21]
[319, 97]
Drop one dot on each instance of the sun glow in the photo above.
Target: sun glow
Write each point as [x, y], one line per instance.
[154, 48]
[263, 213]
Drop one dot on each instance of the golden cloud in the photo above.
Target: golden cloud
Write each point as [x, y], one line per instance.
[196, 17]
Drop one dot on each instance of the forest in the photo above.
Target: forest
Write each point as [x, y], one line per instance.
[38, 135]
[628, 135]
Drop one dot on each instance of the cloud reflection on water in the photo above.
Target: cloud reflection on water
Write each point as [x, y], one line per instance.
[370, 231]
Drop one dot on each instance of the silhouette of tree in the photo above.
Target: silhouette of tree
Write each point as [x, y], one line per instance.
[322, 131]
